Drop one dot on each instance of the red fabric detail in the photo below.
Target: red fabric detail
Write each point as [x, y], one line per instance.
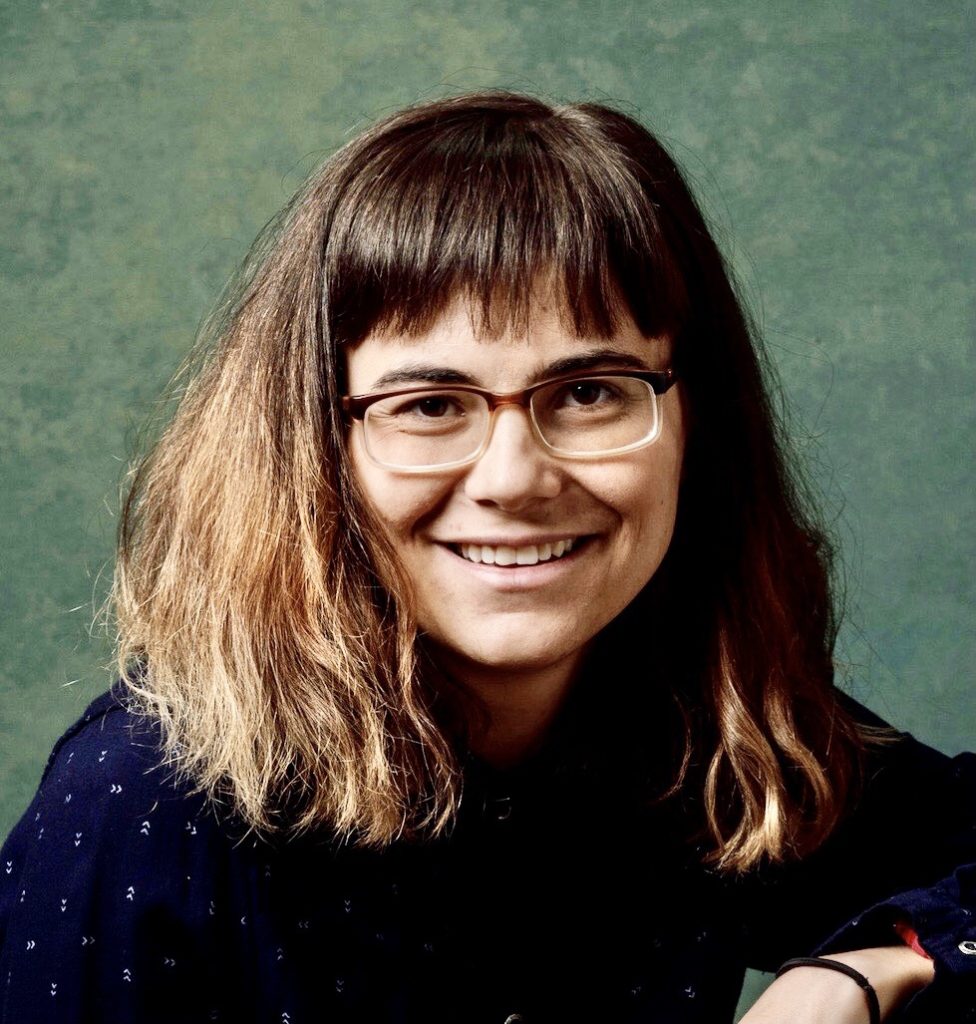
[909, 936]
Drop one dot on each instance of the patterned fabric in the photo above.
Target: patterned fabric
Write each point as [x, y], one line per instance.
[125, 899]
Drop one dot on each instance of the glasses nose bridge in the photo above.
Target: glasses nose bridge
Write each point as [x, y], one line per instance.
[521, 399]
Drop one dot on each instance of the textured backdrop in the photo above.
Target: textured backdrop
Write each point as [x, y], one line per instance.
[144, 143]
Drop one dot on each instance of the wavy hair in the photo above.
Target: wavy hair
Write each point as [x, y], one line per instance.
[263, 602]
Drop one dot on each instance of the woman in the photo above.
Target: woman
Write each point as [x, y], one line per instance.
[476, 641]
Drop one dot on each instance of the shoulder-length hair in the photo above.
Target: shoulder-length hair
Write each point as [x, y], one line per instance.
[264, 602]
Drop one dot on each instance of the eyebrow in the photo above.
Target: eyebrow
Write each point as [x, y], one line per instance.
[430, 373]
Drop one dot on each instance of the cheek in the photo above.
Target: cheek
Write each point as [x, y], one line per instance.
[662, 480]
[400, 501]
[648, 525]
[644, 492]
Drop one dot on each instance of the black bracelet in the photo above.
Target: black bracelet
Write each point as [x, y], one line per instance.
[874, 1009]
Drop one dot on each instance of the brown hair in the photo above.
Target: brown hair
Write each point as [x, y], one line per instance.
[287, 677]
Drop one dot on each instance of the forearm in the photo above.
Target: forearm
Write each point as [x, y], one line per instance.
[815, 995]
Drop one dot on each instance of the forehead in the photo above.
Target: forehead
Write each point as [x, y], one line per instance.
[505, 361]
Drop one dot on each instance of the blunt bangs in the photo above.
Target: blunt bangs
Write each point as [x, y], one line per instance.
[485, 199]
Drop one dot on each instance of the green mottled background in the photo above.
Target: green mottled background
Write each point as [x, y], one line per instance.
[144, 143]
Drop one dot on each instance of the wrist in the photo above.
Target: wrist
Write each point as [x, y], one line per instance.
[895, 972]
[838, 964]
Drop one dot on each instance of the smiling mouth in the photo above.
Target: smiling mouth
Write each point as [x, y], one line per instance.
[505, 556]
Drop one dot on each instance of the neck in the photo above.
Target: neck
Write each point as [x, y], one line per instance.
[520, 705]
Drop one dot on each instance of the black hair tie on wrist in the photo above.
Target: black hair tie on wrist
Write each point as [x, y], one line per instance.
[874, 1009]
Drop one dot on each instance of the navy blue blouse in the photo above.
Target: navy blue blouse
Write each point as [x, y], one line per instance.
[124, 899]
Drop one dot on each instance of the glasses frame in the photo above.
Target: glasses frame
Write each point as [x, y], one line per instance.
[659, 381]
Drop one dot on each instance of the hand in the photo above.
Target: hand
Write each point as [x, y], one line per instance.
[817, 995]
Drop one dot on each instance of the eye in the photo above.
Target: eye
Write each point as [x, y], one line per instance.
[587, 393]
[430, 407]
[425, 411]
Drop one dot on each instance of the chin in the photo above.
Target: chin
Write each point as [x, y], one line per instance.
[513, 658]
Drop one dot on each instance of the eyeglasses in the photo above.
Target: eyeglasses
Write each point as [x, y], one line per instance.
[578, 417]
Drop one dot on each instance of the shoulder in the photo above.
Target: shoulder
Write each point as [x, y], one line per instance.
[109, 725]
[902, 774]
[109, 879]
[911, 822]
[107, 801]
[111, 761]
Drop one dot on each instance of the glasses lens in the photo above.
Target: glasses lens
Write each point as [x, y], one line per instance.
[596, 414]
[426, 428]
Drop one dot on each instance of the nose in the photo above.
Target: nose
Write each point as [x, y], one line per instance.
[514, 471]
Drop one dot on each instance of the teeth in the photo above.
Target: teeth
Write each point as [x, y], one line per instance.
[505, 555]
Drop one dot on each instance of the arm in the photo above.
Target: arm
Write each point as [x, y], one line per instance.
[814, 994]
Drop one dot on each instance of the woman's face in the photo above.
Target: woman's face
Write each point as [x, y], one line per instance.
[618, 511]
